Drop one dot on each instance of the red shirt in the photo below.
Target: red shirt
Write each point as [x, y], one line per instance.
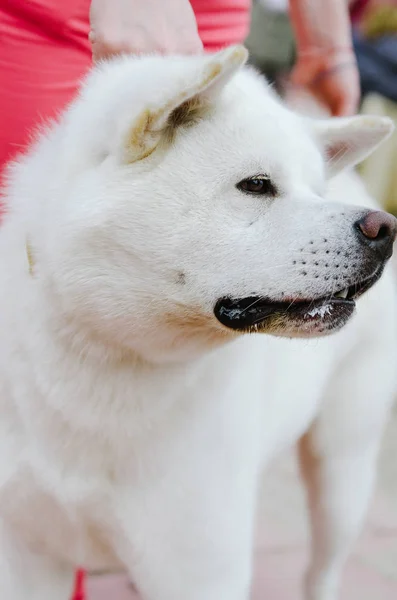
[222, 22]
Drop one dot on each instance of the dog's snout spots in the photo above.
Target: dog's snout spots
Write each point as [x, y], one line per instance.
[181, 278]
[331, 265]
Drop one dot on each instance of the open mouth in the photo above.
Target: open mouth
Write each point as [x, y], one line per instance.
[257, 313]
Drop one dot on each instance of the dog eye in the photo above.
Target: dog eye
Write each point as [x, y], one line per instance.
[260, 186]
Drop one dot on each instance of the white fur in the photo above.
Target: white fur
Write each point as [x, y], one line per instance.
[134, 427]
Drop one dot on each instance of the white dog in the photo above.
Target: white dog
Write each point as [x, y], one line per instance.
[176, 206]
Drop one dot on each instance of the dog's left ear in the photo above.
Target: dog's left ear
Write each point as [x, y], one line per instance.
[207, 76]
[347, 141]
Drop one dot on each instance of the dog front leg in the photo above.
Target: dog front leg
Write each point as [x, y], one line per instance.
[338, 461]
[339, 491]
[25, 575]
[191, 543]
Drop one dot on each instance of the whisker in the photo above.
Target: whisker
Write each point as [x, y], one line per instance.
[291, 304]
[252, 304]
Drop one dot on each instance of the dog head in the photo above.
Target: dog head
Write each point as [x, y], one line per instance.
[187, 205]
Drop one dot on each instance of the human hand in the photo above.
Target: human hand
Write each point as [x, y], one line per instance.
[332, 76]
[143, 27]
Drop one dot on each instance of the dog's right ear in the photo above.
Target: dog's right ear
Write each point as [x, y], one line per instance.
[208, 76]
[346, 141]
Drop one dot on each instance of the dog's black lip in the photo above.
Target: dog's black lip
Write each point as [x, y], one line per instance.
[244, 313]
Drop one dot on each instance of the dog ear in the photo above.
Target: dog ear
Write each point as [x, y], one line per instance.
[210, 75]
[347, 141]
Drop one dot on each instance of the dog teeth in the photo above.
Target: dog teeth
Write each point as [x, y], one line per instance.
[342, 294]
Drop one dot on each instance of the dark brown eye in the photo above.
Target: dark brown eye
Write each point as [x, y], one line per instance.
[261, 186]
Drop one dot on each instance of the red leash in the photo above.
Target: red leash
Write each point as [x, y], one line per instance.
[79, 588]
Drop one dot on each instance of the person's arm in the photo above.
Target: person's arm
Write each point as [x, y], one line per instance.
[321, 25]
[143, 27]
[325, 57]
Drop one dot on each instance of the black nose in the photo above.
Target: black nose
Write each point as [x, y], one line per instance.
[378, 230]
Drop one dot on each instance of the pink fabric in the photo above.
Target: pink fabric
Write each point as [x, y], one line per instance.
[222, 22]
[44, 53]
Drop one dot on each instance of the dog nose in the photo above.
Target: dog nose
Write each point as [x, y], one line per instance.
[378, 230]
